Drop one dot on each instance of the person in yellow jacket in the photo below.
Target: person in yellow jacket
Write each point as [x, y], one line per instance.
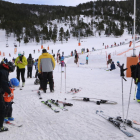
[46, 65]
[21, 62]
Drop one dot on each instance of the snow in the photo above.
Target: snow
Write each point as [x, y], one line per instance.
[80, 122]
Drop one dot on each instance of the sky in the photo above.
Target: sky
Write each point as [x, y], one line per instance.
[51, 2]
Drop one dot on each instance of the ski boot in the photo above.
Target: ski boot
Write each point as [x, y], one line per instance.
[2, 129]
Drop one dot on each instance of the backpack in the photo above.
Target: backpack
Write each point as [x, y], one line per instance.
[30, 62]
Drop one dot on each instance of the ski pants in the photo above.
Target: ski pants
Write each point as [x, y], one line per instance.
[29, 72]
[22, 71]
[2, 110]
[138, 91]
[49, 76]
[8, 110]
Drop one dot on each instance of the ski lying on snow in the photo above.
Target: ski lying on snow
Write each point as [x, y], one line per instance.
[98, 101]
[116, 123]
[65, 103]
[135, 122]
[57, 104]
[128, 122]
[13, 124]
[50, 106]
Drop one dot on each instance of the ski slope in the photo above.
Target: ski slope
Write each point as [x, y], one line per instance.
[80, 122]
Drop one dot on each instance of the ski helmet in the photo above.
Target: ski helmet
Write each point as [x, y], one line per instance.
[20, 53]
[14, 82]
[118, 62]
[11, 66]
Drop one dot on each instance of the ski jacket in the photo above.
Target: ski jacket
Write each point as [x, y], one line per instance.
[30, 62]
[86, 58]
[46, 63]
[4, 86]
[112, 66]
[62, 63]
[6, 96]
[138, 71]
[23, 64]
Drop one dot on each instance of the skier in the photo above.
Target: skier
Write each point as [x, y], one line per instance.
[138, 81]
[21, 62]
[34, 51]
[29, 66]
[9, 100]
[46, 65]
[76, 57]
[62, 58]
[62, 65]
[4, 73]
[118, 64]
[87, 59]
[109, 58]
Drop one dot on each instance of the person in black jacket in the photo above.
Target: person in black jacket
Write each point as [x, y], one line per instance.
[30, 66]
[137, 81]
[4, 87]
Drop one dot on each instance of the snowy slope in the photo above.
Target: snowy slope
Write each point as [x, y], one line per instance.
[80, 122]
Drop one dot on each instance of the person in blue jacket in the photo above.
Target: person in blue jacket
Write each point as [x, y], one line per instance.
[87, 59]
[112, 66]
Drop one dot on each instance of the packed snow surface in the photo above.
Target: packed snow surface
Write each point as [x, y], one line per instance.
[80, 122]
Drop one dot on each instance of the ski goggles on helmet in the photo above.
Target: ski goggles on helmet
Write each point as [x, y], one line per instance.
[19, 54]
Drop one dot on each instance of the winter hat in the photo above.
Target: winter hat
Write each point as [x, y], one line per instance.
[30, 55]
[44, 51]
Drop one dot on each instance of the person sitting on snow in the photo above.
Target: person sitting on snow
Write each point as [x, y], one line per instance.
[112, 66]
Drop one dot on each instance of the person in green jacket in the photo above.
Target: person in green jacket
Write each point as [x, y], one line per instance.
[21, 62]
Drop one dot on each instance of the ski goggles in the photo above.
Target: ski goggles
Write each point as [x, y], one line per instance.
[19, 54]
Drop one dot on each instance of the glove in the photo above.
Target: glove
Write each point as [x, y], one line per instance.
[136, 82]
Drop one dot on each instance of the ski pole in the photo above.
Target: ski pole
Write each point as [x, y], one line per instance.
[135, 92]
[65, 78]
[122, 104]
[61, 81]
[129, 100]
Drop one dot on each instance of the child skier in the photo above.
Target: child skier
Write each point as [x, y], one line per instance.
[9, 100]
[62, 65]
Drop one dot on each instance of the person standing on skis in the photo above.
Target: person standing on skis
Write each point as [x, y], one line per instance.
[46, 65]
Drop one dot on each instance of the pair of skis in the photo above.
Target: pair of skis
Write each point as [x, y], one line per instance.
[13, 124]
[118, 122]
[74, 90]
[56, 103]
[97, 101]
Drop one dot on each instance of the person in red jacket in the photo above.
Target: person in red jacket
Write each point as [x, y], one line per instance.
[109, 59]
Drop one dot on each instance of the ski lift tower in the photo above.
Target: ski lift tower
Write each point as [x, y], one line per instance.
[133, 60]
[93, 11]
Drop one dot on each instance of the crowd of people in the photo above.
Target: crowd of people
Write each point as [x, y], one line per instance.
[44, 66]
